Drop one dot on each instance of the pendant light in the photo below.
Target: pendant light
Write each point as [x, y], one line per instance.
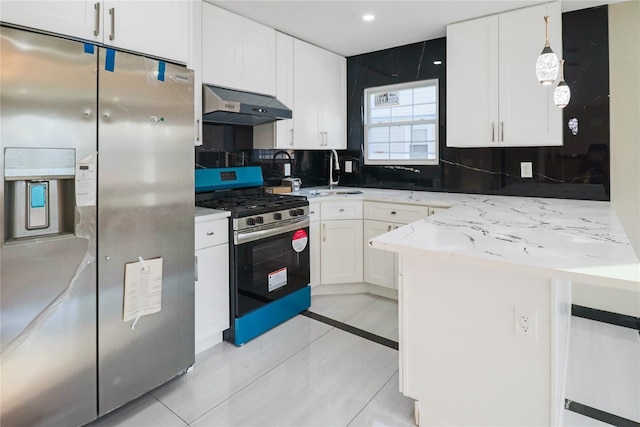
[562, 93]
[547, 66]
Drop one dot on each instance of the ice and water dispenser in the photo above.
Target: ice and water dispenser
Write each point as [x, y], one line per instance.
[39, 192]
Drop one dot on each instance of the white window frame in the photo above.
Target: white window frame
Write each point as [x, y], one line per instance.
[368, 125]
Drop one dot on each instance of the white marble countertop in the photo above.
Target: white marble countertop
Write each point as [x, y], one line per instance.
[581, 241]
[206, 214]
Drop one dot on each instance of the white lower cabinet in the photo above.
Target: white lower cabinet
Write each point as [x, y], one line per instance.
[341, 251]
[340, 232]
[341, 242]
[381, 267]
[314, 245]
[212, 282]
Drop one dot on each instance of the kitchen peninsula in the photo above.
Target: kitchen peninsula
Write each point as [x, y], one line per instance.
[485, 302]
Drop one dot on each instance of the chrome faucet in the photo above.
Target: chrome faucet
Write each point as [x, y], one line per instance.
[334, 164]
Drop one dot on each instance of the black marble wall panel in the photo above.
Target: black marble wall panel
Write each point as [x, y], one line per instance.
[577, 170]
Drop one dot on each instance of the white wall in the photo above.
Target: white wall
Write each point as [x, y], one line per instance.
[624, 81]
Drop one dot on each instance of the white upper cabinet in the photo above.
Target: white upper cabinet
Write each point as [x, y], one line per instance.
[236, 52]
[159, 29]
[319, 82]
[280, 133]
[493, 96]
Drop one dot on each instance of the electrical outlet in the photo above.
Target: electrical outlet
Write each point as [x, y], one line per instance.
[526, 169]
[526, 322]
[348, 166]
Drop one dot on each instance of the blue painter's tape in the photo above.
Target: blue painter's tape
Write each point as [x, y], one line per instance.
[89, 48]
[110, 61]
[161, 67]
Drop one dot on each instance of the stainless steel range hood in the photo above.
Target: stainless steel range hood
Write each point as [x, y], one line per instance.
[234, 107]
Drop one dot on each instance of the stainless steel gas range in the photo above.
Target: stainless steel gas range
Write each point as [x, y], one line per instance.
[268, 250]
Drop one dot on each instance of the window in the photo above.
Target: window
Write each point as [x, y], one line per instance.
[401, 124]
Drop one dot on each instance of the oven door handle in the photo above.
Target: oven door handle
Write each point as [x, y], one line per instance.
[240, 238]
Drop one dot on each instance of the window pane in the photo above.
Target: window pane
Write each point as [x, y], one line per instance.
[381, 115]
[400, 133]
[424, 95]
[425, 112]
[401, 114]
[379, 151]
[378, 134]
[406, 97]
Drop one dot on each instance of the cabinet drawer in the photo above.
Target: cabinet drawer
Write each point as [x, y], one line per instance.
[402, 214]
[341, 210]
[314, 211]
[211, 233]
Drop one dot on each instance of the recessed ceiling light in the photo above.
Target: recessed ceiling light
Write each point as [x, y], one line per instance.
[368, 17]
[437, 62]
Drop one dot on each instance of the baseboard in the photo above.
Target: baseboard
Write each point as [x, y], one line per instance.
[354, 288]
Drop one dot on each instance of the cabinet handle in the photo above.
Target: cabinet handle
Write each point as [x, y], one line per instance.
[196, 266]
[502, 131]
[112, 12]
[393, 212]
[389, 227]
[312, 212]
[326, 139]
[324, 232]
[209, 233]
[96, 27]
[291, 143]
[493, 131]
[341, 210]
[198, 130]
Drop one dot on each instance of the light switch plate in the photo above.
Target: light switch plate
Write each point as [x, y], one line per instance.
[526, 169]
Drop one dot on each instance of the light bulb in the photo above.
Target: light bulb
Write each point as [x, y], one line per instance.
[562, 92]
[547, 65]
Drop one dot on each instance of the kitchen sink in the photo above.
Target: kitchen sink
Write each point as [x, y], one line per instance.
[319, 193]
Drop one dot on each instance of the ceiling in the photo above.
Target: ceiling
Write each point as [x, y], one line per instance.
[338, 26]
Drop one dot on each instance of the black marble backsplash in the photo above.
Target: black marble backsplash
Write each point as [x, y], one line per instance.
[577, 170]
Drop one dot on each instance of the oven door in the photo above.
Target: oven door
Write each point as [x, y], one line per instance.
[269, 264]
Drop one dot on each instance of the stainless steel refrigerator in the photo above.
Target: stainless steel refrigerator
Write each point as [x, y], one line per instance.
[97, 200]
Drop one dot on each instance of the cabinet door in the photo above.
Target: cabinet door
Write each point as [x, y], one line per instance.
[159, 29]
[307, 76]
[314, 252]
[80, 18]
[341, 251]
[258, 58]
[284, 88]
[334, 99]
[472, 83]
[211, 295]
[528, 116]
[221, 47]
[379, 266]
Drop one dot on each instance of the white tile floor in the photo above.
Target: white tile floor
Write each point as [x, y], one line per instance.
[371, 313]
[302, 373]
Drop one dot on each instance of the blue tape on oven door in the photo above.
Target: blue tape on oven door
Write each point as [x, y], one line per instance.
[110, 60]
[89, 48]
[161, 68]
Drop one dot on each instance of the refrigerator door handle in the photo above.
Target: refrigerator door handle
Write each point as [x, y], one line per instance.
[112, 12]
[196, 267]
[96, 27]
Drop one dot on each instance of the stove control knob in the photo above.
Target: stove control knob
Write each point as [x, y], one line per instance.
[300, 211]
[251, 221]
[293, 212]
[277, 216]
[259, 220]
